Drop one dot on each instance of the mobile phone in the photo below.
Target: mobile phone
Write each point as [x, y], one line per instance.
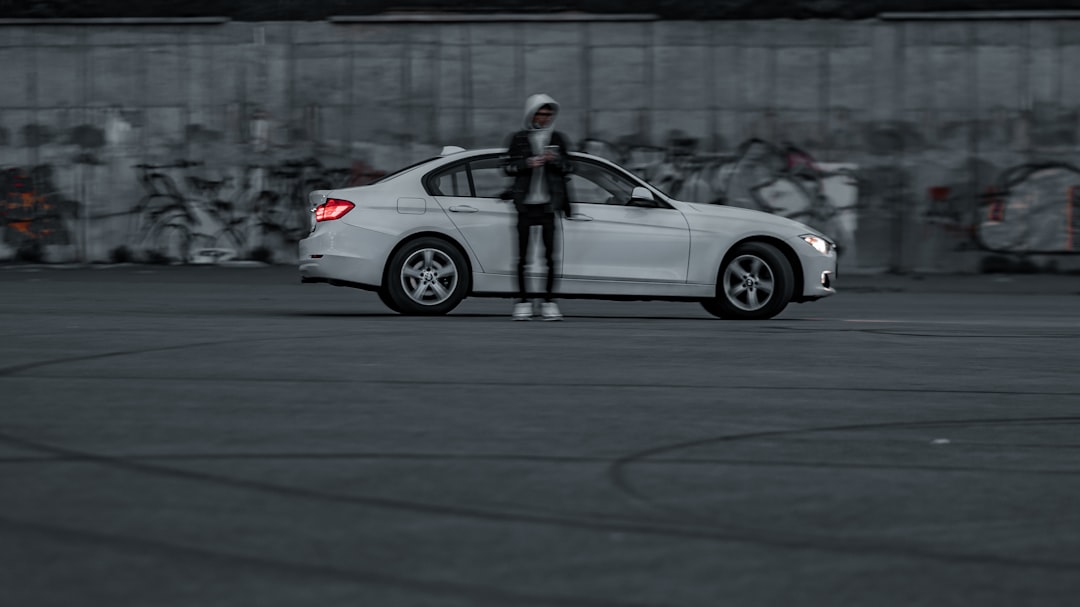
[554, 149]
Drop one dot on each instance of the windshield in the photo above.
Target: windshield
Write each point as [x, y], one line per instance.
[639, 181]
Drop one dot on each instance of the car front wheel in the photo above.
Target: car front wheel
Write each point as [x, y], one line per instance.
[427, 276]
[754, 283]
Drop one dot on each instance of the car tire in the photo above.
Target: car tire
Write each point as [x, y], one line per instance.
[428, 276]
[755, 282]
[384, 296]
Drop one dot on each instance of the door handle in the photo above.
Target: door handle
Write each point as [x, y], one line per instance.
[579, 217]
[463, 209]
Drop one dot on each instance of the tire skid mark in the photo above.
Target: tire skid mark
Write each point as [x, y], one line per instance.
[355, 576]
[532, 459]
[945, 334]
[507, 383]
[618, 474]
[16, 369]
[597, 523]
[616, 471]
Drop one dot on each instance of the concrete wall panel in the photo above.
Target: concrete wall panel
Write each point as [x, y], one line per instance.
[681, 76]
[498, 34]
[555, 71]
[168, 81]
[374, 123]
[726, 77]
[377, 78]
[493, 77]
[117, 76]
[321, 75]
[1000, 33]
[424, 79]
[551, 34]
[1070, 85]
[16, 68]
[219, 75]
[799, 77]
[453, 87]
[913, 89]
[944, 33]
[668, 124]
[623, 84]
[372, 33]
[11, 35]
[1044, 75]
[950, 77]
[833, 34]
[164, 128]
[615, 125]
[849, 84]
[1001, 77]
[324, 32]
[61, 77]
[492, 127]
[1046, 34]
[757, 75]
[67, 35]
[619, 34]
[886, 75]
[682, 33]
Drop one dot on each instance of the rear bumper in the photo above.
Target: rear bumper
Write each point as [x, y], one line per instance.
[322, 259]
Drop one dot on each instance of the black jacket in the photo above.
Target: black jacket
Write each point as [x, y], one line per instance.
[555, 172]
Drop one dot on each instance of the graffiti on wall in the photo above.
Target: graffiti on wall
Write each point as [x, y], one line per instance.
[184, 217]
[33, 212]
[1032, 208]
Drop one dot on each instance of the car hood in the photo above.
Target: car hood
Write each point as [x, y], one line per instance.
[779, 223]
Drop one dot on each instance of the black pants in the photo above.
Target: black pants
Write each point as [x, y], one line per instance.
[542, 215]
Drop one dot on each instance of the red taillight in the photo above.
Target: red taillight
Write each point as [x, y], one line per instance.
[333, 208]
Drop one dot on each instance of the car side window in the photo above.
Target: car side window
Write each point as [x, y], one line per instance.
[454, 182]
[594, 184]
[489, 180]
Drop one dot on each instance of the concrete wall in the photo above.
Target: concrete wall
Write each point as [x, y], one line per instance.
[913, 120]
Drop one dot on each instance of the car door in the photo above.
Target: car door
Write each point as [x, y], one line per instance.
[469, 192]
[608, 238]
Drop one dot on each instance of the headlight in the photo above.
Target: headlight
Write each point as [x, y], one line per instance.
[822, 245]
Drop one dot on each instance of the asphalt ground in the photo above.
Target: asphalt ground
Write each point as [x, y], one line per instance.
[227, 436]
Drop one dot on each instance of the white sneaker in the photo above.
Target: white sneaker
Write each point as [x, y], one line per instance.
[549, 310]
[522, 311]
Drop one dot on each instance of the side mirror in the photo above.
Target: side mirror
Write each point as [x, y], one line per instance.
[642, 197]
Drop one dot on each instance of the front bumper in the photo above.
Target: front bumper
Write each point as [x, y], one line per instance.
[819, 276]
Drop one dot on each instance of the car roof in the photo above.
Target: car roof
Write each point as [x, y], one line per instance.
[465, 154]
[456, 156]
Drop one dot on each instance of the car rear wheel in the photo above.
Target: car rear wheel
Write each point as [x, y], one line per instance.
[384, 296]
[755, 282]
[427, 276]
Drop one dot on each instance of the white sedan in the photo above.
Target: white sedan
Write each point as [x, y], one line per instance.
[431, 234]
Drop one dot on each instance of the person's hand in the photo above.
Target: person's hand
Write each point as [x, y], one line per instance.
[535, 161]
[550, 155]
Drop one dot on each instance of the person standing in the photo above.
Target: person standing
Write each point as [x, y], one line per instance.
[538, 159]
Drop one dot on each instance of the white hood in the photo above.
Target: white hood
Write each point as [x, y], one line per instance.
[534, 103]
[735, 213]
